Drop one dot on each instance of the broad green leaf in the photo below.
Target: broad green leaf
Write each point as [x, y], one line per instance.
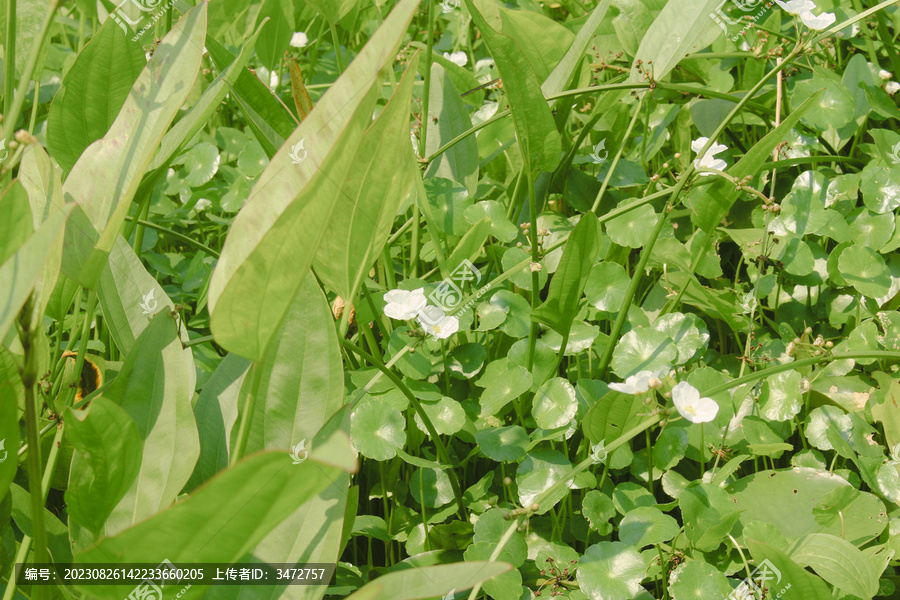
[507, 586]
[783, 571]
[296, 388]
[152, 387]
[887, 411]
[503, 382]
[697, 579]
[216, 412]
[503, 444]
[682, 27]
[24, 266]
[838, 562]
[823, 418]
[9, 433]
[264, 262]
[611, 571]
[643, 349]
[606, 286]
[334, 10]
[449, 119]
[377, 429]
[276, 34]
[491, 527]
[430, 487]
[647, 525]
[781, 399]
[633, 229]
[567, 284]
[598, 509]
[93, 92]
[535, 127]
[537, 473]
[611, 416]
[709, 204]
[554, 404]
[269, 120]
[427, 582]
[370, 196]
[880, 187]
[687, 331]
[707, 515]
[543, 40]
[865, 270]
[107, 459]
[106, 177]
[501, 227]
[219, 522]
[57, 535]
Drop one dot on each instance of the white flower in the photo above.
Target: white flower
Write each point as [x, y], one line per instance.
[457, 58]
[708, 160]
[817, 22]
[299, 39]
[691, 406]
[403, 305]
[437, 323]
[274, 79]
[892, 87]
[795, 7]
[885, 75]
[638, 383]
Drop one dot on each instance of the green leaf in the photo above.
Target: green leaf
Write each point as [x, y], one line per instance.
[540, 470]
[430, 487]
[646, 525]
[838, 562]
[503, 444]
[565, 69]
[610, 570]
[370, 196]
[612, 415]
[334, 10]
[697, 579]
[218, 523]
[25, 264]
[555, 404]
[503, 382]
[887, 411]
[865, 270]
[643, 349]
[781, 399]
[782, 571]
[107, 458]
[606, 286]
[450, 119]
[57, 534]
[92, 93]
[276, 34]
[598, 509]
[9, 433]
[152, 387]
[535, 128]
[567, 284]
[633, 229]
[106, 177]
[880, 187]
[415, 583]
[377, 430]
[263, 265]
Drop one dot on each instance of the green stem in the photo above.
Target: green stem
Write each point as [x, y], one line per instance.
[426, 91]
[615, 162]
[438, 442]
[180, 237]
[9, 57]
[337, 48]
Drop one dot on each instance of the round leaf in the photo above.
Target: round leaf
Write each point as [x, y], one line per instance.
[610, 571]
[377, 430]
[697, 580]
[555, 404]
[606, 286]
[503, 443]
[430, 487]
[633, 229]
[643, 349]
[646, 525]
[537, 473]
[865, 270]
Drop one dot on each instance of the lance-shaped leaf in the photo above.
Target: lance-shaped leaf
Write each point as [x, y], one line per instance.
[535, 128]
[371, 195]
[219, 522]
[105, 178]
[93, 92]
[152, 387]
[567, 284]
[106, 461]
[297, 386]
[24, 261]
[274, 238]
[682, 27]
[563, 71]
[449, 119]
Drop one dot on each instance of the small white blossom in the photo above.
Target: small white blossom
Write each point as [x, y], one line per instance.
[404, 305]
[437, 323]
[892, 87]
[795, 7]
[691, 406]
[819, 22]
[708, 160]
[458, 58]
[884, 75]
[638, 383]
[299, 39]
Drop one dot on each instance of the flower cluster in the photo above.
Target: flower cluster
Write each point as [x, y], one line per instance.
[404, 305]
[685, 396]
[803, 9]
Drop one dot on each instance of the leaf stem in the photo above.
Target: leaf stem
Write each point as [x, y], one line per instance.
[426, 91]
